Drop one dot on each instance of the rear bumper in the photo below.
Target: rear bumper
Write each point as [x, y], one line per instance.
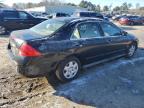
[32, 66]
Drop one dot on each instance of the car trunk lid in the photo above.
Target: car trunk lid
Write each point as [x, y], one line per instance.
[18, 43]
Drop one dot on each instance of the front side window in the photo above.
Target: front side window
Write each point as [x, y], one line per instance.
[89, 30]
[48, 27]
[23, 15]
[110, 30]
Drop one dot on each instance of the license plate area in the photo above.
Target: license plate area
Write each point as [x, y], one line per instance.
[14, 49]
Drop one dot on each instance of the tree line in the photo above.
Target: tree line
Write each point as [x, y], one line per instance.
[92, 7]
[84, 4]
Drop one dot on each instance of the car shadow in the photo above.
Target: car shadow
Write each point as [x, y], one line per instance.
[109, 85]
[7, 34]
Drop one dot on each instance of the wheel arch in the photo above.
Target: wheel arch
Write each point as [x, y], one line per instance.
[135, 42]
[76, 56]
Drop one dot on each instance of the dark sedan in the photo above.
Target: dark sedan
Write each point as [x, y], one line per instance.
[11, 19]
[65, 45]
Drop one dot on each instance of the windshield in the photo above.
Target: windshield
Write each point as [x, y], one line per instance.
[48, 27]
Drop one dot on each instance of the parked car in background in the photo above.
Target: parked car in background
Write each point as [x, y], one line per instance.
[108, 15]
[11, 19]
[131, 20]
[117, 17]
[89, 14]
[39, 14]
[65, 45]
[55, 15]
[142, 18]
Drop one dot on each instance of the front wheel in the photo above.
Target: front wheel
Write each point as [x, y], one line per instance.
[68, 69]
[131, 50]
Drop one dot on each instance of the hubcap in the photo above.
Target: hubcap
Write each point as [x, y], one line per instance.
[132, 50]
[2, 30]
[70, 69]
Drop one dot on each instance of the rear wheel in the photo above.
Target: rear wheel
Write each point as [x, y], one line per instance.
[68, 69]
[2, 30]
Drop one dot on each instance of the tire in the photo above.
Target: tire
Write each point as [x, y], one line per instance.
[131, 23]
[68, 69]
[131, 50]
[2, 30]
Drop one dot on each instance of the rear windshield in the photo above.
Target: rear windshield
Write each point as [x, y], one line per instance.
[48, 27]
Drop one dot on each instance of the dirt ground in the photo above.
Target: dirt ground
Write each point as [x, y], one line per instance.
[115, 84]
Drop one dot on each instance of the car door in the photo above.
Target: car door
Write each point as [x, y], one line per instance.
[117, 42]
[10, 20]
[91, 44]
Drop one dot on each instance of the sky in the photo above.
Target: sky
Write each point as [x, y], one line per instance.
[100, 2]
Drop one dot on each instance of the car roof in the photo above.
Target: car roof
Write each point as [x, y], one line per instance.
[77, 19]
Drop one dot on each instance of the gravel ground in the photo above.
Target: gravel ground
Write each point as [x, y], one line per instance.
[115, 84]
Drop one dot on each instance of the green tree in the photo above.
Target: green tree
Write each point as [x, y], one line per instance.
[98, 8]
[137, 6]
[129, 5]
[124, 6]
[105, 8]
[83, 4]
[117, 8]
[88, 5]
[71, 4]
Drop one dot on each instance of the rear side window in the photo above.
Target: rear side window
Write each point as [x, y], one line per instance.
[89, 30]
[23, 15]
[10, 15]
[110, 29]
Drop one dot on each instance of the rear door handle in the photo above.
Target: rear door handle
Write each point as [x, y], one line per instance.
[109, 40]
[78, 44]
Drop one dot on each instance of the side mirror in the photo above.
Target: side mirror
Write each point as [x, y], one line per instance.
[124, 33]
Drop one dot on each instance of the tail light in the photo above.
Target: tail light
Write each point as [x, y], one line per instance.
[28, 51]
